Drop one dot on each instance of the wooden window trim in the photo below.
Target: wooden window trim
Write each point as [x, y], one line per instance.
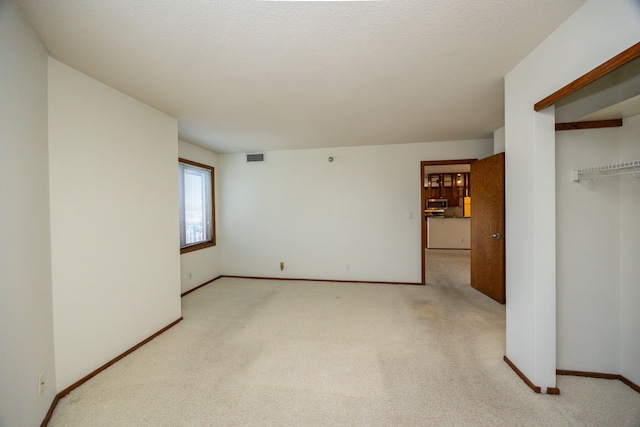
[197, 247]
[211, 242]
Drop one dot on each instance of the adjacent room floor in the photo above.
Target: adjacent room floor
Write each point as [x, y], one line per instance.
[448, 267]
[286, 353]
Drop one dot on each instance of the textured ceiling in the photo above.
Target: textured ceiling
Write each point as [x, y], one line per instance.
[244, 75]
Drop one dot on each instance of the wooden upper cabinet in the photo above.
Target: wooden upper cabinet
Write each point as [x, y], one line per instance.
[450, 186]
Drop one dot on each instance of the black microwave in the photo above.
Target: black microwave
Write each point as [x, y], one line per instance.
[437, 204]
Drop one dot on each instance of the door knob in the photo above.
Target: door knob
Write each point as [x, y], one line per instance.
[496, 235]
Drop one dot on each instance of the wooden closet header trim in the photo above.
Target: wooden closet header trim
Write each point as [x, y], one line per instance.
[601, 70]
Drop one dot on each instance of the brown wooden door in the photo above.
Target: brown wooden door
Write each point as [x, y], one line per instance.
[487, 227]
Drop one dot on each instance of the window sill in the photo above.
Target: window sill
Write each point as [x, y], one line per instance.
[197, 247]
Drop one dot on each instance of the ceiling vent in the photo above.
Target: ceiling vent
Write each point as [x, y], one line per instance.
[255, 157]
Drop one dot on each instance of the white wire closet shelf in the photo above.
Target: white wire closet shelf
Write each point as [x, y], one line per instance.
[593, 174]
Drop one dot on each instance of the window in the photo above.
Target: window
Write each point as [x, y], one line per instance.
[197, 218]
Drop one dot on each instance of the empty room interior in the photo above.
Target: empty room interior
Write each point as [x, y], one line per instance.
[319, 213]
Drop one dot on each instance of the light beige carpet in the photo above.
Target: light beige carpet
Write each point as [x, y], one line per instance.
[276, 353]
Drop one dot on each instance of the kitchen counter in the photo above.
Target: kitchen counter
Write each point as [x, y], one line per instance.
[448, 233]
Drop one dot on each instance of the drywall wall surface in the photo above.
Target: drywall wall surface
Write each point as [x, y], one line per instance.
[530, 251]
[200, 266]
[593, 34]
[114, 221]
[26, 318]
[449, 233]
[355, 218]
[630, 254]
[588, 297]
[498, 141]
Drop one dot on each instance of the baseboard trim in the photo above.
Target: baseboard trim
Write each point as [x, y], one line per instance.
[78, 383]
[587, 374]
[199, 286]
[51, 408]
[631, 384]
[524, 378]
[324, 280]
[600, 375]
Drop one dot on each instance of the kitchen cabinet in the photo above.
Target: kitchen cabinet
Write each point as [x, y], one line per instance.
[450, 186]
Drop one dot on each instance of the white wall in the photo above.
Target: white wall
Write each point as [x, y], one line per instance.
[629, 255]
[114, 221]
[499, 142]
[449, 233]
[320, 217]
[598, 292]
[588, 297]
[203, 265]
[26, 329]
[530, 236]
[592, 35]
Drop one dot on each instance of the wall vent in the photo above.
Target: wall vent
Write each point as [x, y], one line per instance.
[255, 157]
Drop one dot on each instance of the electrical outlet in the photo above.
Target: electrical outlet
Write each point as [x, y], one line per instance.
[348, 267]
[281, 266]
[189, 275]
[40, 383]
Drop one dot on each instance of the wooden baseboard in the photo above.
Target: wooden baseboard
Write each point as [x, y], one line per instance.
[323, 280]
[600, 375]
[51, 408]
[199, 286]
[78, 383]
[556, 391]
[587, 374]
[628, 382]
[523, 377]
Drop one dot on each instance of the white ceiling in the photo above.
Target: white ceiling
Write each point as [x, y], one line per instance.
[243, 75]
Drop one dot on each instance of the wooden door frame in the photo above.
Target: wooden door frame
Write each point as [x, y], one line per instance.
[424, 163]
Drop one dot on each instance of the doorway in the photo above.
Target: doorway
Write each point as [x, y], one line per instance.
[444, 180]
